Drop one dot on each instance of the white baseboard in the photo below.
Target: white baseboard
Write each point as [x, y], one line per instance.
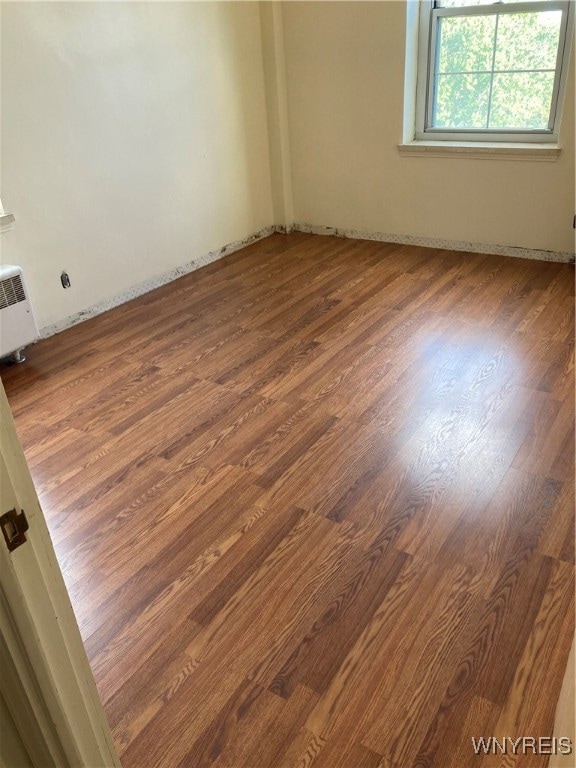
[430, 242]
[154, 282]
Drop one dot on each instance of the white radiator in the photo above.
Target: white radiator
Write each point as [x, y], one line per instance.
[18, 326]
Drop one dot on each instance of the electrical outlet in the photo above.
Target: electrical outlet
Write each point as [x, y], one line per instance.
[65, 280]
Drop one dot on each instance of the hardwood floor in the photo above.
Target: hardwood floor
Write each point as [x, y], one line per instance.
[314, 504]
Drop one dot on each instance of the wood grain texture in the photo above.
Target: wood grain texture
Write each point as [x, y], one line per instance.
[314, 504]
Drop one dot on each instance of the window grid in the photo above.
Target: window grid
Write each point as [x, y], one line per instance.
[426, 105]
[494, 44]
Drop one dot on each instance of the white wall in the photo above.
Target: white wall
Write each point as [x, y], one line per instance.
[134, 139]
[345, 86]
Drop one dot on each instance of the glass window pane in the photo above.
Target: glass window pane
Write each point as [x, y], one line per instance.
[528, 40]
[459, 3]
[461, 101]
[466, 43]
[465, 3]
[521, 100]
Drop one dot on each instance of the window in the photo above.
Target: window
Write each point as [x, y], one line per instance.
[492, 72]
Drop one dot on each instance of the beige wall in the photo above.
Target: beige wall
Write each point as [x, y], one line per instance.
[134, 139]
[276, 103]
[345, 86]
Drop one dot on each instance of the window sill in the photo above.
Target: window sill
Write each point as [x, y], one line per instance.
[481, 150]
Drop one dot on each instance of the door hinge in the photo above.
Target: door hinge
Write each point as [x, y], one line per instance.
[14, 526]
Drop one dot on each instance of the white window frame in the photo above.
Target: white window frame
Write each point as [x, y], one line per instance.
[427, 58]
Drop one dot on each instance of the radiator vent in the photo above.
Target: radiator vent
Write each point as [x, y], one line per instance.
[11, 291]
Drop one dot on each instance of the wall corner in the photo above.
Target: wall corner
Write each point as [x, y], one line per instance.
[274, 62]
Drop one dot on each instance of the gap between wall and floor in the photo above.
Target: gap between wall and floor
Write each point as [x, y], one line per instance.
[201, 261]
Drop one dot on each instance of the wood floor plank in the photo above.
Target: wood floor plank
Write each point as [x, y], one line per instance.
[527, 709]
[357, 592]
[314, 504]
[417, 688]
[159, 581]
[474, 718]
